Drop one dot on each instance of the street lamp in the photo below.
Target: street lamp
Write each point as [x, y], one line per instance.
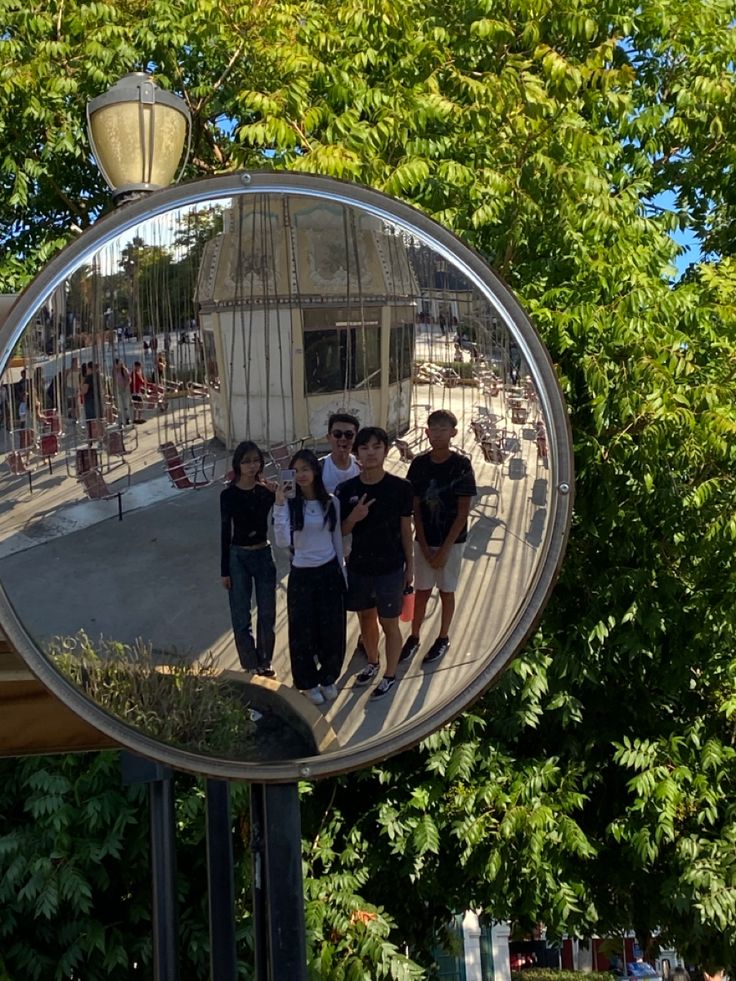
[137, 131]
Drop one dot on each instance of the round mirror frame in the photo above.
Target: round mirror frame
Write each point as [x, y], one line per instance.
[551, 401]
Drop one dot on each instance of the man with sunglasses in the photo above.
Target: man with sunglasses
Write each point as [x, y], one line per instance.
[340, 465]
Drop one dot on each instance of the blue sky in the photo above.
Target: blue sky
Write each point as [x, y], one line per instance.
[691, 247]
[691, 253]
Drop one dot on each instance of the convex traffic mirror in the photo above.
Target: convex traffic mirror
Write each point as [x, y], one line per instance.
[254, 308]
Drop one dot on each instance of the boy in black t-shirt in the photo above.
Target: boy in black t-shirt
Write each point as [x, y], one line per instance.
[443, 484]
[376, 509]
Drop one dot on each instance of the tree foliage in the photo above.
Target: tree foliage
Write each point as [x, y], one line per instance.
[74, 896]
[75, 882]
[593, 789]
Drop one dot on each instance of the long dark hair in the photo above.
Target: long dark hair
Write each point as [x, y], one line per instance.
[248, 446]
[296, 504]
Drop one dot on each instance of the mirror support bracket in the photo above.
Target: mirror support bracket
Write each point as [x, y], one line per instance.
[220, 887]
[278, 889]
[163, 860]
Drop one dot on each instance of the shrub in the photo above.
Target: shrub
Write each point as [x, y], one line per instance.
[554, 974]
[169, 697]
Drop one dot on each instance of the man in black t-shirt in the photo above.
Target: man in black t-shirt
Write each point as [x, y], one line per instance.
[443, 484]
[376, 509]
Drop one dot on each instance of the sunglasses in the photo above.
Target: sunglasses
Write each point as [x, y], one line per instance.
[343, 434]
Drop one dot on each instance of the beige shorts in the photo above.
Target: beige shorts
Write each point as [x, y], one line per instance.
[446, 578]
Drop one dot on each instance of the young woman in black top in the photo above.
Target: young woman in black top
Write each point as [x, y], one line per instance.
[245, 558]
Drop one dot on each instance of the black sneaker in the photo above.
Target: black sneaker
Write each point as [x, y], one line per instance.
[266, 671]
[437, 650]
[383, 687]
[411, 646]
[367, 675]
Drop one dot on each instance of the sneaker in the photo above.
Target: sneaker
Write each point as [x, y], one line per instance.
[315, 696]
[367, 675]
[329, 692]
[383, 687]
[360, 649]
[411, 646]
[437, 650]
[266, 671]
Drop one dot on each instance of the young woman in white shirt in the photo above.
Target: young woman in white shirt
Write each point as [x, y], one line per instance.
[315, 596]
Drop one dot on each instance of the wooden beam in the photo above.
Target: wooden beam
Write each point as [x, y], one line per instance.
[34, 722]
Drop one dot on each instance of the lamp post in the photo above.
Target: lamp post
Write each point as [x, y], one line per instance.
[137, 131]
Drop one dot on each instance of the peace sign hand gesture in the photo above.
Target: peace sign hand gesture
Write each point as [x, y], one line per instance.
[361, 509]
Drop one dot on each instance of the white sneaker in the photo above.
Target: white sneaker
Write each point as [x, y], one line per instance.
[315, 696]
[329, 692]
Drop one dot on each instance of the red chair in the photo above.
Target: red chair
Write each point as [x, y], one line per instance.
[190, 472]
[492, 450]
[96, 428]
[85, 458]
[97, 488]
[50, 421]
[48, 448]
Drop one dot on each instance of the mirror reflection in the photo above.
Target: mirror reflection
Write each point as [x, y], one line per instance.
[234, 439]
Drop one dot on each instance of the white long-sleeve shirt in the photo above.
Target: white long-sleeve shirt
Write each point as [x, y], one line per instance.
[315, 544]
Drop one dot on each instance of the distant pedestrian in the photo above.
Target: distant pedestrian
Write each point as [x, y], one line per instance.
[92, 395]
[121, 384]
[138, 387]
[71, 384]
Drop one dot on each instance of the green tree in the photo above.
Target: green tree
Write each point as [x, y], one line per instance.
[75, 888]
[523, 127]
[593, 788]
[55, 58]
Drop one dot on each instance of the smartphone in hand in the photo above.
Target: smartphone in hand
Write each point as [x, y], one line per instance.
[286, 479]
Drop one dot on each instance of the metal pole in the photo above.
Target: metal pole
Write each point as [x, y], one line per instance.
[221, 888]
[163, 860]
[260, 913]
[278, 890]
[163, 871]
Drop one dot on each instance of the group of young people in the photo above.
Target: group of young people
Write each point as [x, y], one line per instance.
[353, 547]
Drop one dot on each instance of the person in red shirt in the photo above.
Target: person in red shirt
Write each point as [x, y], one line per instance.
[138, 386]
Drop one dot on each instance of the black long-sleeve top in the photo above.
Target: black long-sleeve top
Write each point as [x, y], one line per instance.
[243, 519]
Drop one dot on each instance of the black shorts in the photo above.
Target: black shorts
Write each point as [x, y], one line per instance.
[385, 592]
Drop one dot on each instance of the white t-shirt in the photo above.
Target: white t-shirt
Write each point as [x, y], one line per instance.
[332, 475]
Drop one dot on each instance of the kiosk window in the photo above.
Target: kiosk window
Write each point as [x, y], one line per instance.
[401, 352]
[341, 351]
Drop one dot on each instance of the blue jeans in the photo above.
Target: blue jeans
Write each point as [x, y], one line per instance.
[249, 567]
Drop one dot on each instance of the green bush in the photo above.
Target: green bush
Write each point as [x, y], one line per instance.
[554, 974]
[166, 695]
[463, 368]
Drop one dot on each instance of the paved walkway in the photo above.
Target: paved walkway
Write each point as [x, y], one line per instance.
[69, 564]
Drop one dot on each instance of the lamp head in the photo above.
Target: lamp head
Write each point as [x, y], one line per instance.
[137, 131]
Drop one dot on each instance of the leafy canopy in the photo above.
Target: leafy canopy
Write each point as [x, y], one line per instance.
[593, 789]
